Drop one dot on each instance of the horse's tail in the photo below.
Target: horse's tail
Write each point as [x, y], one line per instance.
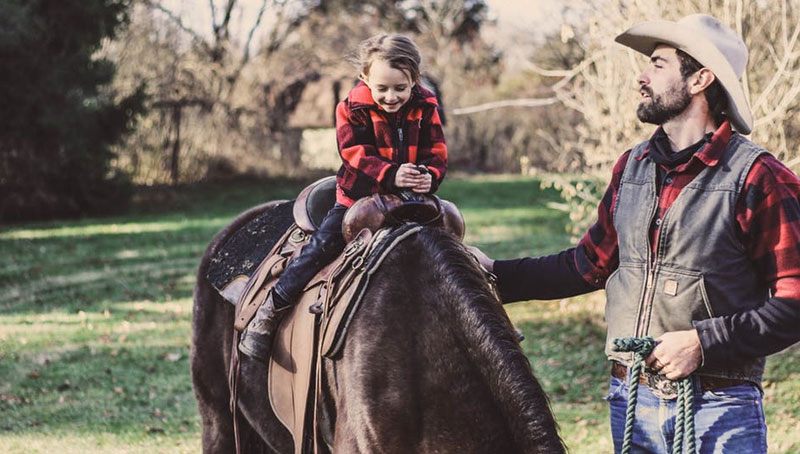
[491, 344]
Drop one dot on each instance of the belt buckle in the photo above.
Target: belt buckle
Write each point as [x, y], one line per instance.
[661, 386]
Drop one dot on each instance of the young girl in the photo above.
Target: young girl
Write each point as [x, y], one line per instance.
[387, 126]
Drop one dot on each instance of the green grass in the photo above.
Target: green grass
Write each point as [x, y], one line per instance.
[95, 321]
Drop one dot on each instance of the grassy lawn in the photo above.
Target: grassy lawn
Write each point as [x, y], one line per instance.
[95, 321]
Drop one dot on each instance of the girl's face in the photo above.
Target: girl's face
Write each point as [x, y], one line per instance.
[390, 87]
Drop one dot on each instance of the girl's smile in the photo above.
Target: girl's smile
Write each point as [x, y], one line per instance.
[390, 87]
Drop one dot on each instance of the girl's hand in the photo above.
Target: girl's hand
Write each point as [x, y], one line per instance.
[408, 176]
[424, 186]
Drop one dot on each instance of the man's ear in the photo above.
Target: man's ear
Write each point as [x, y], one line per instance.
[701, 80]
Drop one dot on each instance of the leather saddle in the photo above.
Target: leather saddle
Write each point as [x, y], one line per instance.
[236, 261]
[376, 211]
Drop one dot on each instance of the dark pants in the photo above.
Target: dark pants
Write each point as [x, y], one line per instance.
[326, 244]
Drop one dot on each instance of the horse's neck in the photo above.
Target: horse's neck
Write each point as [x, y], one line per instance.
[405, 371]
[434, 333]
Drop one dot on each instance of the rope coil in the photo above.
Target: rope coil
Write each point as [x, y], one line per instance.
[684, 419]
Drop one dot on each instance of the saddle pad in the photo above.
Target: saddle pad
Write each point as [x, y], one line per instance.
[248, 246]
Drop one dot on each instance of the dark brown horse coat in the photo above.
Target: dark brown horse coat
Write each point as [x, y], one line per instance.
[430, 364]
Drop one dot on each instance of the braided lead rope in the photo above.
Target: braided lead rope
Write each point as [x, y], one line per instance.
[684, 420]
[641, 347]
[680, 420]
[686, 411]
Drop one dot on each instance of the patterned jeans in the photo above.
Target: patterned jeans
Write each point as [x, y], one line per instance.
[727, 420]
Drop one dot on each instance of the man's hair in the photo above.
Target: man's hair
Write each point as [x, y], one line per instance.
[397, 50]
[716, 97]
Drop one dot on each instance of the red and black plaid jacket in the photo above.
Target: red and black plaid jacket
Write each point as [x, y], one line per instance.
[373, 143]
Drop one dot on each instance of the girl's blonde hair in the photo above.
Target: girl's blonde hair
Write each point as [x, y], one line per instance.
[397, 50]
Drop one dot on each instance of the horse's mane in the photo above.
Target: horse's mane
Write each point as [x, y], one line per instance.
[484, 328]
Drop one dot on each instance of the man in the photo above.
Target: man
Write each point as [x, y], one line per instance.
[697, 244]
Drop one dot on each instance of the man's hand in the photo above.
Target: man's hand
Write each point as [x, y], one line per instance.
[408, 176]
[483, 259]
[677, 354]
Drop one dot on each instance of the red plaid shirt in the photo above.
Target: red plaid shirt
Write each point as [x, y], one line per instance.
[767, 214]
[373, 143]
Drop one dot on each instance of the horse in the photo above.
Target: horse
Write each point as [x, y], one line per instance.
[431, 363]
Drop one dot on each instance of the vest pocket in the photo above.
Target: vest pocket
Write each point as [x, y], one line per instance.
[623, 294]
[679, 298]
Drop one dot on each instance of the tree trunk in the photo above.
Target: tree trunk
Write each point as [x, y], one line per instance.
[174, 168]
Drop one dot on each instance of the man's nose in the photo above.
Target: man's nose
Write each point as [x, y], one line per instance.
[643, 79]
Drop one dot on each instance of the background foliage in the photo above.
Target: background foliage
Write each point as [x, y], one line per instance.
[229, 87]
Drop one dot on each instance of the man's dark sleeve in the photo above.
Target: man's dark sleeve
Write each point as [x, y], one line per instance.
[540, 278]
[758, 332]
[768, 215]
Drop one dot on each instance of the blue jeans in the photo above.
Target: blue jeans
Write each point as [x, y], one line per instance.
[726, 420]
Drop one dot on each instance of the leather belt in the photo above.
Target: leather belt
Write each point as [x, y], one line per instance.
[663, 387]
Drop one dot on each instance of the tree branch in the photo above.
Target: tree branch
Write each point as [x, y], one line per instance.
[175, 19]
[251, 33]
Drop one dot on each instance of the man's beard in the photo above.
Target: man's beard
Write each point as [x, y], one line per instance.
[665, 106]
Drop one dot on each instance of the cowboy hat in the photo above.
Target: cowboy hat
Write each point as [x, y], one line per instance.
[708, 41]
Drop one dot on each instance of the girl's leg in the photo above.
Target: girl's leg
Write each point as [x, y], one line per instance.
[325, 245]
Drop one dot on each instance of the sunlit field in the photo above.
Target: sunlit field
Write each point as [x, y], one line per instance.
[95, 321]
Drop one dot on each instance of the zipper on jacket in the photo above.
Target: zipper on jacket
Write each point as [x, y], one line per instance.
[400, 136]
[400, 156]
[648, 294]
[652, 268]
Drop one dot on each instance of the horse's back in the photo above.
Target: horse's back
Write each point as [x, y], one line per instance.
[418, 371]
